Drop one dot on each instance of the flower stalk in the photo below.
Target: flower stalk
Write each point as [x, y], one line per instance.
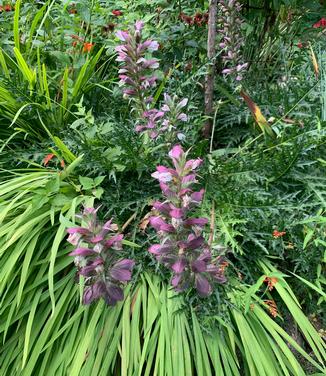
[232, 41]
[98, 258]
[182, 247]
[137, 78]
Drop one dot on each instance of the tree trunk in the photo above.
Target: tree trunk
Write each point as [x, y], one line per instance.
[209, 82]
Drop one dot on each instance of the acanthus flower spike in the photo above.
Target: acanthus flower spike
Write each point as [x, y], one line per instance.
[232, 41]
[183, 249]
[138, 78]
[98, 258]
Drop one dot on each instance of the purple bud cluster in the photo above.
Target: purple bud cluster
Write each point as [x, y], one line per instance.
[97, 258]
[182, 247]
[232, 41]
[136, 75]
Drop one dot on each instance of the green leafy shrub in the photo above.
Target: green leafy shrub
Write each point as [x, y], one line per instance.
[264, 196]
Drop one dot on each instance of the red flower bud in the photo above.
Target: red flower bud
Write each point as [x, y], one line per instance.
[278, 234]
[117, 13]
[47, 159]
[321, 23]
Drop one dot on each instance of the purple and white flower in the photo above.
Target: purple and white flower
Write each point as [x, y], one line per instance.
[183, 249]
[232, 41]
[98, 258]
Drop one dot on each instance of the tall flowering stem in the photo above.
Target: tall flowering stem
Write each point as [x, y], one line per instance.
[232, 41]
[136, 71]
[209, 79]
[137, 79]
[182, 247]
[98, 258]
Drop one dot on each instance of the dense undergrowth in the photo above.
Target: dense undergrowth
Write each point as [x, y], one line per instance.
[245, 295]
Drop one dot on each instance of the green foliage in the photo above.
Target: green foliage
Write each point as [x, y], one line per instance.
[149, 332]
[57, 98]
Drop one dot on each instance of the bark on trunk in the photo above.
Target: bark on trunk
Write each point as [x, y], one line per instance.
[209, 82]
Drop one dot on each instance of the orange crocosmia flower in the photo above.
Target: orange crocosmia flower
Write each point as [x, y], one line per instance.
[7, 8]
[272, 307]
[223, 266]
[48, 158]
[271, 281]
[87, 47]
[62, 163]
[278, 234]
